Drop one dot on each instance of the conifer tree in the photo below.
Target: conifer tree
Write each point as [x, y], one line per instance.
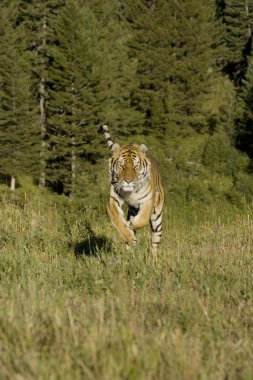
[90, 81]
[19, 140]
[237, 18]
[35, 17]
[173, 47]
[71, 104]
[245, 107]
[117, 68]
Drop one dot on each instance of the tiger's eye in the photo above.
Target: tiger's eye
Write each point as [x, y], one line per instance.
[136, 164]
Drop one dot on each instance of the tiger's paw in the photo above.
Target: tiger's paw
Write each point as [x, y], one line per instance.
[130, 236]
[130, 223]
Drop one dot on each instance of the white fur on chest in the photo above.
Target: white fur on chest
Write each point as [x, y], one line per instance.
[136, 198]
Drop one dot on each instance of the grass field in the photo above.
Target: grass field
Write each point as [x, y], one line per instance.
[75, 305]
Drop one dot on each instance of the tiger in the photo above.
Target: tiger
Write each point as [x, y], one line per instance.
[135, 180]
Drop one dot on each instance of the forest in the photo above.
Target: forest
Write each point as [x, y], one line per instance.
[175, 74]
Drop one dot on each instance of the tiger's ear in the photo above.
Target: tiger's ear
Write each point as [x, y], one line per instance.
[143, 148]
[115, 147]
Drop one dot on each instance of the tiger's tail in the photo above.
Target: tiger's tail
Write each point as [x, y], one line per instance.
[104, 128]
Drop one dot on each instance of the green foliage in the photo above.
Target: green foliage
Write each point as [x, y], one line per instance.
[221, 157]
[237, 17]
[89, 81]
[18, 137]
[221, 107]
[70, 92]
[173, 46]
[154, 71]
[245, 112]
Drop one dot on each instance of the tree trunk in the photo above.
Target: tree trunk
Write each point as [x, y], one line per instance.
[43, 130]
[13, 183]
[73, 167]
[42, 180]
[247, 14]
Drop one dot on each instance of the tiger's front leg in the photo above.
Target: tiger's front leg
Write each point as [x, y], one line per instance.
[117, 219]
[156, 221]
[143, 217]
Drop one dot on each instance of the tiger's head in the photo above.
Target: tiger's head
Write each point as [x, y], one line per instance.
[129, 167]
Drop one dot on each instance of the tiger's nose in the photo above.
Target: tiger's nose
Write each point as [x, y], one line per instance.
[127, 180]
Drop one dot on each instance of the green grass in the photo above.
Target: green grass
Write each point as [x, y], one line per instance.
[75, 305]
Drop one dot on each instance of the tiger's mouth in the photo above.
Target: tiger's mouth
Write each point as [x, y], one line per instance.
[124, 187]
[127, 185]
[128, 188]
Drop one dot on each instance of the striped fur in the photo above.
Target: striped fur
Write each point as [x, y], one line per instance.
[136, 181]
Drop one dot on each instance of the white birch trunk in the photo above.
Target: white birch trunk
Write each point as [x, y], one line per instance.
[42, 91]
[13, 183]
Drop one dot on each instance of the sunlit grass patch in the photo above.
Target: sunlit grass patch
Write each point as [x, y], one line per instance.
[75, 305]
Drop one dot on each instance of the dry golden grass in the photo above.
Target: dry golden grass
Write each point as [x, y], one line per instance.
[75, 305]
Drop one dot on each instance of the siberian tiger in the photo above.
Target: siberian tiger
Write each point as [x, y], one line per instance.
[136, 180]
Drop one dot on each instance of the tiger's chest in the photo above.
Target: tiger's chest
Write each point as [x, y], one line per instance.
[131, 198]
[137, 198]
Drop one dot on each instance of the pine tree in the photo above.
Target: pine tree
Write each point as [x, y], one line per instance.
[193, 70]
[173, 47]
[237, 18]
[245, 107]
[90, 81]
[18, 138]
[71, 104]
[34, 16]
[117, 68]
